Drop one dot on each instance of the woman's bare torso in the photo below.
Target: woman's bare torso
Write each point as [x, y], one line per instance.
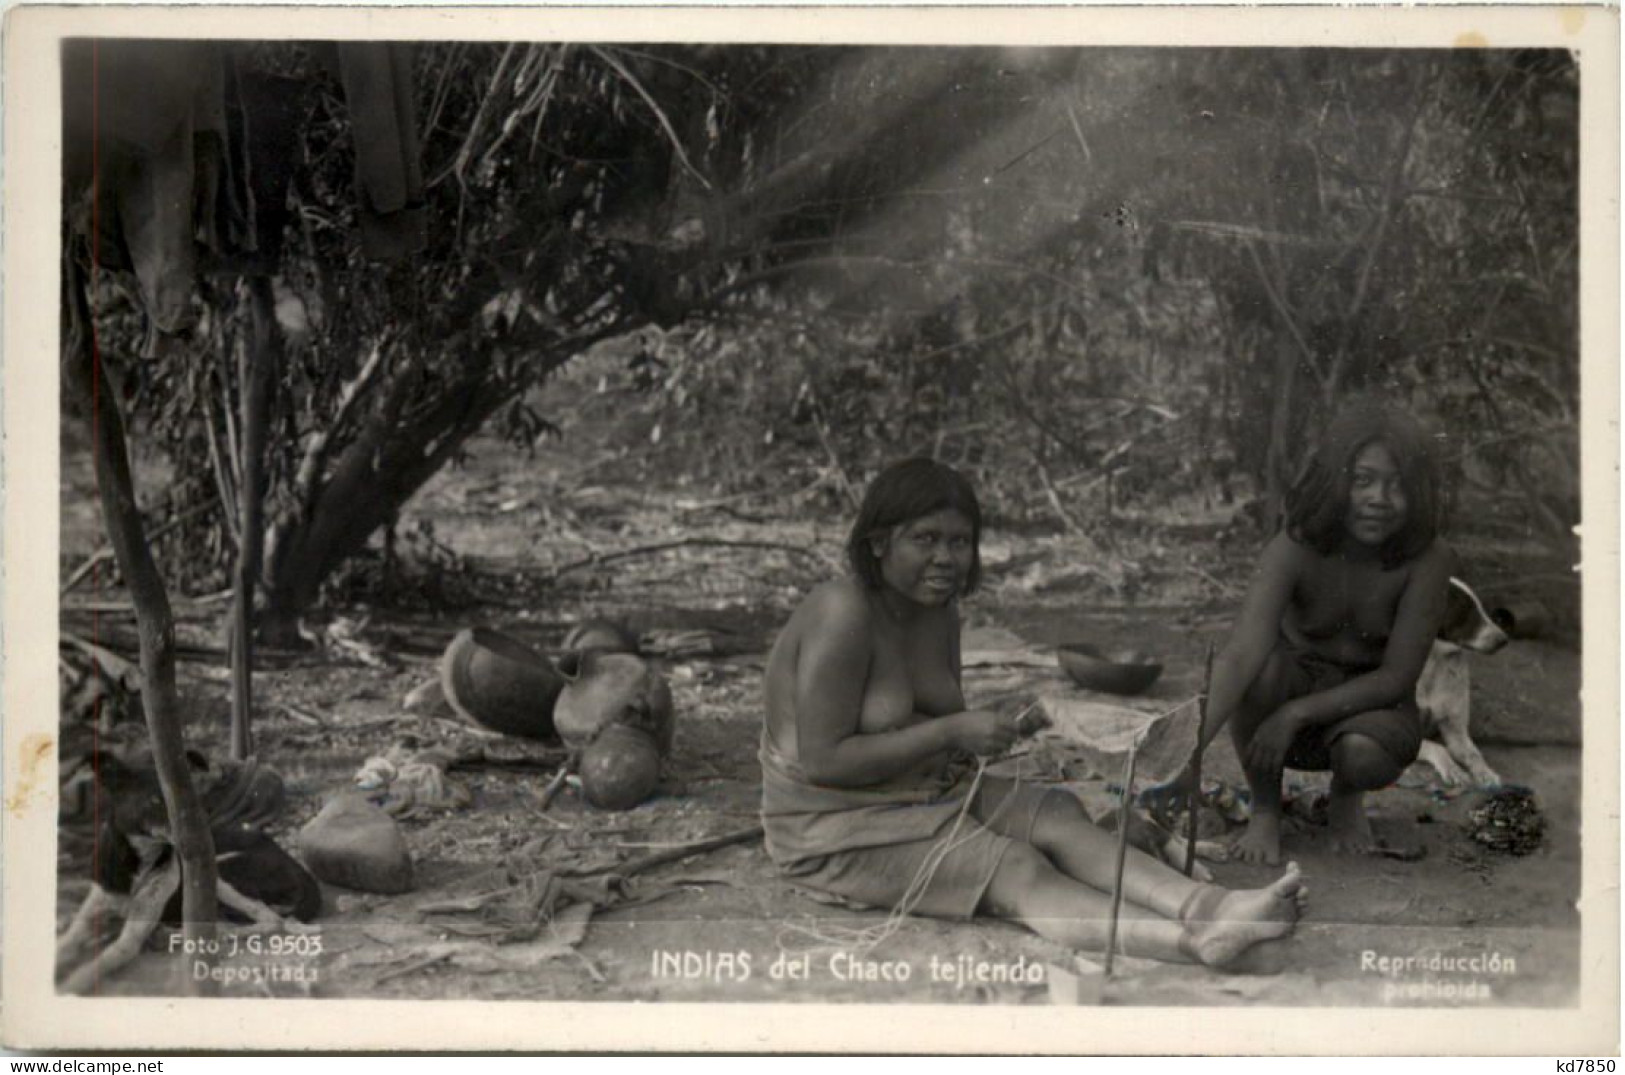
[912, 673]
[1344, 610]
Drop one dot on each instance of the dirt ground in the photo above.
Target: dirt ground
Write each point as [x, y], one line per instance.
[1483, 927]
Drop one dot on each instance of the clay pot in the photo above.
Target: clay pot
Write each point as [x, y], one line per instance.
[498, 682]
[620, 768]
[603, 635]
[1115, 672]
[612, 688]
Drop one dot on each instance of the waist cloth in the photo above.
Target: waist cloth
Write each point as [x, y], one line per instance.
[1293, 672]
[872, 845]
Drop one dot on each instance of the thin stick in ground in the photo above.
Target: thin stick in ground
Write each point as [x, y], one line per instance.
[1122, 859]
[1193, 800]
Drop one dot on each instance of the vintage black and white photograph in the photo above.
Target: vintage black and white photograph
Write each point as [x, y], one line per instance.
[1037, 521]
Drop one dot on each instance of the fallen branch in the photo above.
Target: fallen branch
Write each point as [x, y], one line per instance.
[119, 644]
[113, 665]
[412, 967]
[680, 852]
[549, 898]
[666, 546]
[105, 553]
[303, 716]
[114, 607]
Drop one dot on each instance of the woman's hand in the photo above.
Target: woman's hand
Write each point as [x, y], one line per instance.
[1268, 751]
[1164, 799]
[983, 732]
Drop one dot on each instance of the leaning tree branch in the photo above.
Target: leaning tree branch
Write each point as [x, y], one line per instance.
[1278, 301]
[315, 456]
[155, 621]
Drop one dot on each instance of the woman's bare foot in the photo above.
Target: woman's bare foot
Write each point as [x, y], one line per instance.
[1236, 921]
[1262, 840]
[1350, 829]
[1173, 853]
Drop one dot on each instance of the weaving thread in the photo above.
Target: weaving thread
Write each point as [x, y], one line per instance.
[867, 938]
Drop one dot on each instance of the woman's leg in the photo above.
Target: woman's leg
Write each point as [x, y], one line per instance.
[1267, 693]
[1359, 764]
[1216, 924]
[1028, 888]
[1053, 821]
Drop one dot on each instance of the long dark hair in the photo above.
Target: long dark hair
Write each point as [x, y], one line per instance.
[904, 492]
[1317, 504]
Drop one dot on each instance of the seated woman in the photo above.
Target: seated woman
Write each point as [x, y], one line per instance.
[865, 792]
[1321, 667]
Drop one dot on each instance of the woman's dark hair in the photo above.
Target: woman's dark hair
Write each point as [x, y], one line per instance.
[1318, 502]
[904, 492]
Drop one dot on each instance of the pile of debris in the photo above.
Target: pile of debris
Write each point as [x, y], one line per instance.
[1509, 820]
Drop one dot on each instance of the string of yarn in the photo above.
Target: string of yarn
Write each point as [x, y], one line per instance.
[866, 938]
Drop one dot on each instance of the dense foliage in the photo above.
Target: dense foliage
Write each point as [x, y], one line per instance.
[1109, 282]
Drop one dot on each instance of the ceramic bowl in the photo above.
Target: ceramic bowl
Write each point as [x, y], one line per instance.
[1112, 671]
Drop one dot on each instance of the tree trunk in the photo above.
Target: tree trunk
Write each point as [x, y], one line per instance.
[1277, 457]
[384, 466]
[374, 476]
[261, 354]
[155, 623]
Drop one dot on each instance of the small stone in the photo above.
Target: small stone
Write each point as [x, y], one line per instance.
[354, 844]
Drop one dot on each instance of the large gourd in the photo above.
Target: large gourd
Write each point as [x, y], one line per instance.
[612, 688]
[498, 682]
[620, 768]
[616, 710]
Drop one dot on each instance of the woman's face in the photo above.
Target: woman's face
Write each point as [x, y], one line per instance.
[929, 559]
[1377, 503]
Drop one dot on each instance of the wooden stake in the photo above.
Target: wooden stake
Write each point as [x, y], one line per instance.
[554, 786]
[1122, 857]
[1193, 799]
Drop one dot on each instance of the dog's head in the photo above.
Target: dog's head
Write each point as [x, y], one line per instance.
[1467, 624]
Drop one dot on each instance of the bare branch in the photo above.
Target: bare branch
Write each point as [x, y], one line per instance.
[1393, 197]
[685, 543]
[654, 106]
[310, 466]
[1285, 311]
